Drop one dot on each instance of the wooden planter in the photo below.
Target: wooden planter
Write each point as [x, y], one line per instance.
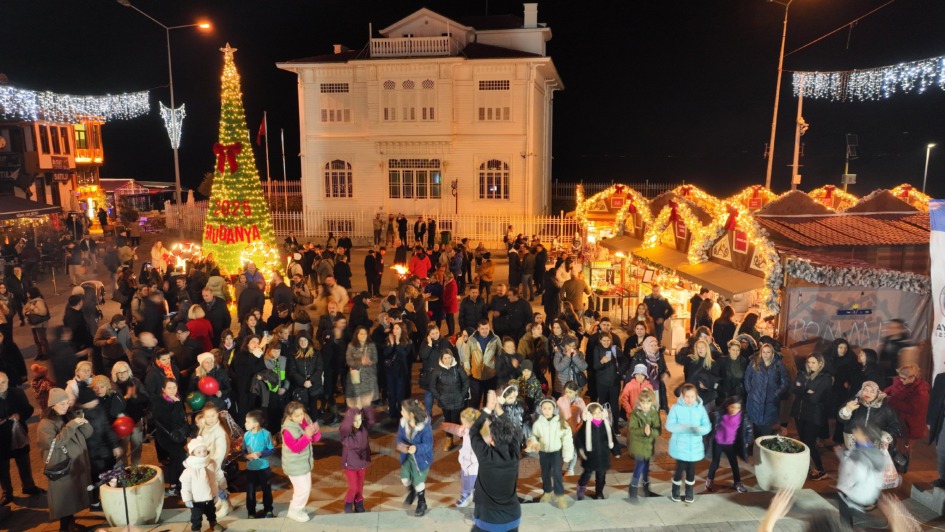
[775, 471]
[145, 502]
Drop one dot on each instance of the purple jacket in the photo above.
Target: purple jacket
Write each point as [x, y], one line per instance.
[355, 444]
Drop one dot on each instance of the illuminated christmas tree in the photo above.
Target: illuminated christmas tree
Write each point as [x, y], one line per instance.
[238, 215]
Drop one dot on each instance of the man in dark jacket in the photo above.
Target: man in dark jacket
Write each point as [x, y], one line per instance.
[496, 502]
[251, 298]
[402, 229]
[419, 229]
[75, 321]
[185, 354]
[515, 268]
[14, 406]
[541, 265]
[471, 309]
[431, 232]
[517, 315]
[195, 283]
[370, 274]
[694, 303]
[345, 242]
[660, 310]
[499, 306]
[896, 339]
[143, 355]
[279, 292]
[217, 313]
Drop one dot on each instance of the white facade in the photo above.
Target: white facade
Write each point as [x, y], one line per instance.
[432, 102]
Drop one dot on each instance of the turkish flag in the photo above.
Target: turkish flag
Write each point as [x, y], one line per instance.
[262, 132]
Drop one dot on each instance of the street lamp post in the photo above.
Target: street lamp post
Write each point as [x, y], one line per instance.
[170, 82]
[925, 175]
[777, 95]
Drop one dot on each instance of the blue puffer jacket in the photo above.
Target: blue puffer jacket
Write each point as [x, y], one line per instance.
[422, 439]
[764, 387]
[688, 425]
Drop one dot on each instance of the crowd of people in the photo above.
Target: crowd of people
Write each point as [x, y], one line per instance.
[559, 386]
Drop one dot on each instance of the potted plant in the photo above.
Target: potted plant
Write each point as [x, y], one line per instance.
[780, 462]
[145, 487]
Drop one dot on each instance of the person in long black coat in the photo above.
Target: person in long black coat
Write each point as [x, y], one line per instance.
[169, 416]
[247, 362]
[14, 406]
[551, 299]
[305, 372]
[429, 354]
[594, 443]
[449, 385]
[812, 393]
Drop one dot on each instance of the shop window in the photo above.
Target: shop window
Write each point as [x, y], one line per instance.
[494, 180]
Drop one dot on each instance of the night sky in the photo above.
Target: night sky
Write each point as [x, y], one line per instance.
[659, 90]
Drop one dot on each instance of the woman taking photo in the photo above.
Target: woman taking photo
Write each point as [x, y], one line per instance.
[361, 356]
[396, 355]
[811, 391]
[765, 381]
[62, 441]
[723, 330]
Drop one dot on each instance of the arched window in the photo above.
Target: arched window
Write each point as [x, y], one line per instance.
[427, 101]
[338, 179]
[494, 180]
[408, 101]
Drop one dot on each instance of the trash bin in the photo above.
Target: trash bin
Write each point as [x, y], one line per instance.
[445, 237]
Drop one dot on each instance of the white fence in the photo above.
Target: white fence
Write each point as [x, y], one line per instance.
[316, 225]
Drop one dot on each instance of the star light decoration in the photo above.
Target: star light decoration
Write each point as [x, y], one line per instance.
[31, 105]
[873, 83]
[174, 122]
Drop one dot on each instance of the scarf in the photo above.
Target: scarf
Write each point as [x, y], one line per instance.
[654, 358]
[588, 445]
[168, 371]
[202, 477]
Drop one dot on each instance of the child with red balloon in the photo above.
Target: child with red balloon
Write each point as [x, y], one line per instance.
[212, 380]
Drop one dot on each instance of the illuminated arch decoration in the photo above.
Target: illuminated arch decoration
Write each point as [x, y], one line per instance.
[673, 211]
[752, 198]
[182, 253]
[910, 195]
[636, 204]
[833, 198]
[265, 256]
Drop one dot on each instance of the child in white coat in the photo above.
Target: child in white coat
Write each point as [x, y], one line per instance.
[201, 484]
[552, 438]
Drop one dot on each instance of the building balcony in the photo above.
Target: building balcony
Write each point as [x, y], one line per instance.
[89, 156]
[411, 47]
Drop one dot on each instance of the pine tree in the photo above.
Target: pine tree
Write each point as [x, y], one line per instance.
[237, 216]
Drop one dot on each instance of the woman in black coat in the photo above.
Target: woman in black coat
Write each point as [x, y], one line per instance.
[101, 405]
[171, 421]
[866, 369]
[397, 353]
[732, 370]
[431, 348]
[449, 387]
[704, 372]
[723, 330]
[306, 373]
[14, 405]
[247, 362]
[840, 362]
[812, 392]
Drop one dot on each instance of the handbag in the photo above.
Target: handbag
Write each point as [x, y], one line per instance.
[900, 460]
[18, 437]
[60, 469]
[580, 378]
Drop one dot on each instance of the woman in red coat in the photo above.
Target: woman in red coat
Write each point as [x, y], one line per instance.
[909, 398]
[450, 301]
[200, 328]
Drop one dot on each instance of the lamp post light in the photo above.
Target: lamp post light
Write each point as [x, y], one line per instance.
[777, 94]
[925, 175]
[204, 26]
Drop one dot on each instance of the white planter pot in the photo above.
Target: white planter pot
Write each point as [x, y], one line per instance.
[775, 471]
[145, 502]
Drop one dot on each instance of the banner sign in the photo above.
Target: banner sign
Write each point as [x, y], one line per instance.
[937, 253]
[819, 315]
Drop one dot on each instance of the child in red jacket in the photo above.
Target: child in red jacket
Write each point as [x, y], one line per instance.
[356, 454]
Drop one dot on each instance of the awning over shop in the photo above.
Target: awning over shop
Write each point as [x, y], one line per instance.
[13, 207]
[622, 243]
[668, 258]
[722, 279]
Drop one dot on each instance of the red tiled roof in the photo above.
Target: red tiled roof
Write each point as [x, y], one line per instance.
[849, 229]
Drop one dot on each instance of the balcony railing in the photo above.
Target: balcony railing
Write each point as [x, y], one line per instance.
[410, 47]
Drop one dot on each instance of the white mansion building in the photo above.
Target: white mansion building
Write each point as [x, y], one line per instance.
[431, 105]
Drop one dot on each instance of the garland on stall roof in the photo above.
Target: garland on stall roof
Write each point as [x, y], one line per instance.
[756, 191]
[855, 276]
[636, 204]
[913, 197]
[825, 192]
[873, 83]
[774, 272]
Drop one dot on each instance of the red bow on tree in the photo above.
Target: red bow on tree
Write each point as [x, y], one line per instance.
[906, 190]
[732, 220]
[674, 215]
[226, 155]
[829, 191]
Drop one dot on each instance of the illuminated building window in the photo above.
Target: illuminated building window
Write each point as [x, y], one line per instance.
[338, 179]
[494, 180]
[494, 100]
[81, 137]
[335, 102]
[414, 178]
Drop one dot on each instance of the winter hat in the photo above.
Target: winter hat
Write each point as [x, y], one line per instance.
[57, 395]
[639, 369]
[204, 356]
[39, 370]
[195, 444]
[588, 444]
[869, 385]
[527, 364]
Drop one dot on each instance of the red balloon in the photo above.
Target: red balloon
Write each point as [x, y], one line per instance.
[123, 426]
[208, 385]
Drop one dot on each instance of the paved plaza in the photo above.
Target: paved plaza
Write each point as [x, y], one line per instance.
[723, 510]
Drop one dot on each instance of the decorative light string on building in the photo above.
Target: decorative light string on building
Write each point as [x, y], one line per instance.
[66, 108]
[910, 195]
[873, 83]
[864, 277]
[174, 122]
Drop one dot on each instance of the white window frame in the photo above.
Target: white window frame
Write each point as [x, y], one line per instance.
[389, 101]
[494, 100]
[494, 179]
[415, 178]
[335, 102]
[338, 179]
[428, 100]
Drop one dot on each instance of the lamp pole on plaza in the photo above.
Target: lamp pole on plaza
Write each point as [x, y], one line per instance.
[205, 26]
[925, 175]
[777, 94]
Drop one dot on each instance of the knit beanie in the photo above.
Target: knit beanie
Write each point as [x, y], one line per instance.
[57, 395]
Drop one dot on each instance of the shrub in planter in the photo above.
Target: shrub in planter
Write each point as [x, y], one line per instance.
[145, 485]
[780, 463]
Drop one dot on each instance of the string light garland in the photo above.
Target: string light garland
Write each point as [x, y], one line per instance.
[265, 256]
[182, 253]
[634, 202]
[873, 83]
[31, 105]
[833, 198]
[752, 198]
[910, 195]
[854, 276]
[173, 122]
[238, 225]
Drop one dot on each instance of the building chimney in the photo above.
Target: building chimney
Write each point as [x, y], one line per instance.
[340, 48]
[531, 15]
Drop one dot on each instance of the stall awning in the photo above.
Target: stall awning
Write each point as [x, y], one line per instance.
[13, 207]
[722, 279]
[665, 257]
[621, 243]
